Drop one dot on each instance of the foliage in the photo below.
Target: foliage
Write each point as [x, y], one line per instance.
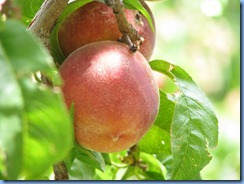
[191, 35]
[33, 118]
[36, 128]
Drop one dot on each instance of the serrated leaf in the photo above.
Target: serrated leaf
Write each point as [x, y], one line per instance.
[135, 4]
[36, 131]
[189, 145]
[194, 126]
[55, 49]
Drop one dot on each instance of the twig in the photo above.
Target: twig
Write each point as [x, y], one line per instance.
[60, 172]
[133, 158]
[130, 35]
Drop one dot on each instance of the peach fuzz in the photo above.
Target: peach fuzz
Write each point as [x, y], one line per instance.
[115, 95]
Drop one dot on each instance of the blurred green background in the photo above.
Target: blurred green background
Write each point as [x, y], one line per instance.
[203, 37]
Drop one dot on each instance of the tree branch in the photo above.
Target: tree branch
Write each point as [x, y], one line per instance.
[130, 35]
[45, 19]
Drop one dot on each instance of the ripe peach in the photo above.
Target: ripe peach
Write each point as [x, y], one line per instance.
[96, 22]
[114, 93]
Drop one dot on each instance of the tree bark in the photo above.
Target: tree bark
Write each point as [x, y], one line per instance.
[45, 19]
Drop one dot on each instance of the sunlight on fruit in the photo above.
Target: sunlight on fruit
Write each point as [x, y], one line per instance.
[203, 37]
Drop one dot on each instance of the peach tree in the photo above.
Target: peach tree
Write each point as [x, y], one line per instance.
[78, 99]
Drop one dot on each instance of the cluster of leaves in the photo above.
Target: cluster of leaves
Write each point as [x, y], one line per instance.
[36, 128]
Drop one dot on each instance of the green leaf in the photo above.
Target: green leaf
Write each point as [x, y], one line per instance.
[135, 4]
[109, 173]
[155, 170]
[153, 176]
[55, 49]
[168, 164]
[197, 177]
[69, 159]
[82, 163]
[81, 171]
[48, 135]
[54, 46]
[39, 60]
[29, 8]
[92, 158]
[11, 104]
[130, 171]
[35, 127]
[2, 167]
[194, 125]
[166, 111]
[156, 141]
[106, 158]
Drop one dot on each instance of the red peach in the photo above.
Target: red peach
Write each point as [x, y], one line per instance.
[114, 93]
[96, 22]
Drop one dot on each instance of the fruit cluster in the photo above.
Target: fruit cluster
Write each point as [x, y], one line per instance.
[113, 90]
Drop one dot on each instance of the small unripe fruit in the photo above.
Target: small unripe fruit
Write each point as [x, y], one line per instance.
[114, 93]
[96, 22]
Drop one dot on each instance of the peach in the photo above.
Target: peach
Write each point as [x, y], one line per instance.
[96, 22]
[114, 93]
